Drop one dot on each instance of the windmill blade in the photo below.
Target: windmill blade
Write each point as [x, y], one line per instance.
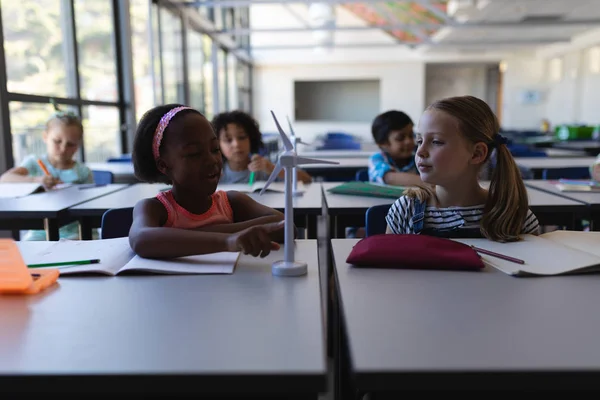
[304, 143]
[290, 126]
[273, 176]
[305, 160]
[287, 144]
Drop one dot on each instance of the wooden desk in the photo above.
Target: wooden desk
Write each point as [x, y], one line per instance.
[245, 334]
[591, 147]
[419, 330]
[344, 171]
[44, 210]
[90, 213]
[122, 171]
[537, 164]
[350, 210]
[592, 200]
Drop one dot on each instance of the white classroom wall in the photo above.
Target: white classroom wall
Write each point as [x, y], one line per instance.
[402, 88]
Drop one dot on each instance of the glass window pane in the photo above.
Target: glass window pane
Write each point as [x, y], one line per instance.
[35, 46]
[195, 65]
[172, 56]
[208, 77]
[142, 67]
[28, 122]
[96, 49]
[222, 76]
[232, 87]
[101, 133]
[156, 64]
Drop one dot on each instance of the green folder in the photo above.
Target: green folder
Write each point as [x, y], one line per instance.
[358, 188]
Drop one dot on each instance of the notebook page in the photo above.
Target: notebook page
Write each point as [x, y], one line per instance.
[112, 253]
[541, 256]
[215, 263]
[583, 241]
[13, 190]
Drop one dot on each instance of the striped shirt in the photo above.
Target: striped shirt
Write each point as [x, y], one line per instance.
[400, 217]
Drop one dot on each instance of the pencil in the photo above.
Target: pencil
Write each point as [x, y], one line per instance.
[59, 264]
[43, 167]
[498, 255]
[251, 178]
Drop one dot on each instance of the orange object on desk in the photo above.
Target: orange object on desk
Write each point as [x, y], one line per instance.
[43, 167]
[16, 278]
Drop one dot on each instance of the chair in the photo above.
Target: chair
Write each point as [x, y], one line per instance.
[566, 173]
[375, 219]
[103, 177]
[116, 223]
[362, 175]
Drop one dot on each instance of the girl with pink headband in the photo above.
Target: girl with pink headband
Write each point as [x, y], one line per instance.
[176, 144]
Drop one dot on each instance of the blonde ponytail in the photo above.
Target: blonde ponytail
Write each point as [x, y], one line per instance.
[507, 204]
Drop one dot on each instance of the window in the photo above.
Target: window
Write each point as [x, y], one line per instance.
[36, 47]
[243, 86]
[594, 59]
[556, 69]
[222, 77]
[101, 133]
[232, 89]
[96, 49]
[195, 73]
[207, 70]
[172, 57]
[141, 46]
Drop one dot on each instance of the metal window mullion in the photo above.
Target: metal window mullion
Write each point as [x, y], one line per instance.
[6, 152]
[185, 56]
[72, 55]
[215, 75]
[160, 55]
[124, 64]
[34, 98]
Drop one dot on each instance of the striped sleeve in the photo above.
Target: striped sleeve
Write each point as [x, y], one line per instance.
[531, 224]
[399, 215]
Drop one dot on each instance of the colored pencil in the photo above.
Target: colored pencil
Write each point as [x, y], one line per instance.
[498, 255]
[43, 167]
[64, 263]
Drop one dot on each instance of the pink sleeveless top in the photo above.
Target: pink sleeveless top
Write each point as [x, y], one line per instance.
[178, 217]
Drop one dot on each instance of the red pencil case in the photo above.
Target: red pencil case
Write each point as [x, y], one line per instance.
[409, 251]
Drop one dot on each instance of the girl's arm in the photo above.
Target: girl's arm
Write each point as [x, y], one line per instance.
[247, 213]
[149, 239]
[21, 174]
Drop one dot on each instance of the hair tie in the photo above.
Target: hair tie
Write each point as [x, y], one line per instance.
[499, 139]
[160, 129]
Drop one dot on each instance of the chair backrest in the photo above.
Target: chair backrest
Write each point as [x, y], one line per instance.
[375, 219]
[566, 173]
[362, 175]
[116, 223]
[103, 177]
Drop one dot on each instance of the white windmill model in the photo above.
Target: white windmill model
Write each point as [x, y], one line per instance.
[295, 141]
[287, 161]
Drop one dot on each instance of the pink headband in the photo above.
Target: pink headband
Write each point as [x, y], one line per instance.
[160, 129]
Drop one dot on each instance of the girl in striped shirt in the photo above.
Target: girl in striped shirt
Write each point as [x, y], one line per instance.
[455, 138]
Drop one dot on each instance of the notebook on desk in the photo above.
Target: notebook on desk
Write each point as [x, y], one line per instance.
[569, 185]
[550, 254]
[357, 188]
[116, 257]
[19, 189]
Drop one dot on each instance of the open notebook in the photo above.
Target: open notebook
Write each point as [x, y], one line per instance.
[20, 189]
[550, 254]
[116, 257]
[568, 185]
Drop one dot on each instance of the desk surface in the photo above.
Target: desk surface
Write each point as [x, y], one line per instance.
[127, 197]
[338, 203]
[174, 332]
[554, 162]
[592, 199]
[49, 204]
[424, 324]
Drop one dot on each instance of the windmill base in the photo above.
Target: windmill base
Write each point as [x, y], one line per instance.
[292, 268]
[297, 193]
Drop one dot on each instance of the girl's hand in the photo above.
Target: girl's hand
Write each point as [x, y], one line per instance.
[259, 163]
[48, 181]
[255, 240]
[596, 172]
